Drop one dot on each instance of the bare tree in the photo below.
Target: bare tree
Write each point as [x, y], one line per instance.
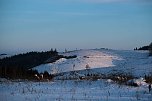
[87, 66]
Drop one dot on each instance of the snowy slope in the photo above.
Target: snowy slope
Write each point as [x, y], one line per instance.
[136, 63]
[94, 58]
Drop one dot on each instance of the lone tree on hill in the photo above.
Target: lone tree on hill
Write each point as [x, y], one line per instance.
[87, 66]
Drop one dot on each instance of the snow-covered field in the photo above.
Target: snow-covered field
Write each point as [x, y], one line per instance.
[136, 63]
[70, 90]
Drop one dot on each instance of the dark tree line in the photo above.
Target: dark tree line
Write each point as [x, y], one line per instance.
[142, 48]
[18, 66]
[148, 47]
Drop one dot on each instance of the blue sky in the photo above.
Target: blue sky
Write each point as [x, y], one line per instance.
[27, 25]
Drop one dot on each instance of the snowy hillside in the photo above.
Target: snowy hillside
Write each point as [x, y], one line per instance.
[94, 58]
[135, 62]
[100, 61]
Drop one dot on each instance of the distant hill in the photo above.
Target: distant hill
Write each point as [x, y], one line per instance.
[3, 55]
[100, 61]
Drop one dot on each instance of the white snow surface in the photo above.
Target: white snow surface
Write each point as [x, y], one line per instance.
[94, 58]
[70, 90]
[137, 63]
